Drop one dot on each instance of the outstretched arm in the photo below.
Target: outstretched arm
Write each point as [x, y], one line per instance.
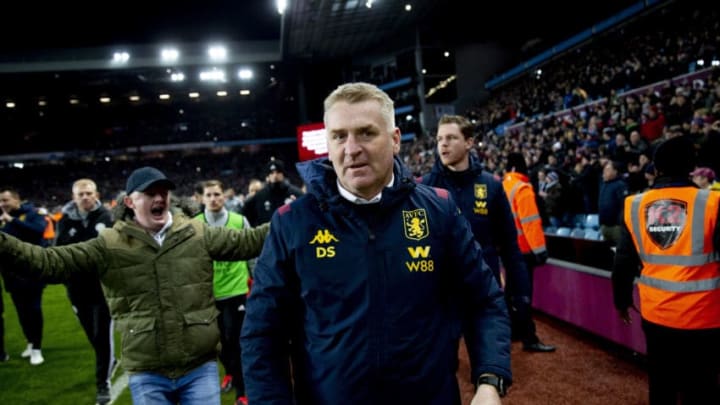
[53, 264]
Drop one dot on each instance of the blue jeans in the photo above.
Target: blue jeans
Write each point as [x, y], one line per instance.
[198, 387]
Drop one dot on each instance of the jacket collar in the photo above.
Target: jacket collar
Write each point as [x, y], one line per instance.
[320, 178]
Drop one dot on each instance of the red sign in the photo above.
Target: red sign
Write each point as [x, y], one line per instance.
[312, 142]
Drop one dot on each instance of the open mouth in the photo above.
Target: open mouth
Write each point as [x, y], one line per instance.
[157, 211]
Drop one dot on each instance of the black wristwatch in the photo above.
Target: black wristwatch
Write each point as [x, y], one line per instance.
[494, 380]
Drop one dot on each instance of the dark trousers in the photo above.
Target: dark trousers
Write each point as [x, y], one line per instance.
[28, 304]
[97, 324]
[682, 364]
[523, 326]
[230, 321]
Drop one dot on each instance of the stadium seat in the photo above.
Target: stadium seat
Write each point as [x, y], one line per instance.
[579, 220]
[592, 221]
[593, 234]
[550, 230]
[563, 231]
[577, 233]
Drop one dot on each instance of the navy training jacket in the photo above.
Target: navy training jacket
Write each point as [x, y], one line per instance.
[366, 299]
[483, 202]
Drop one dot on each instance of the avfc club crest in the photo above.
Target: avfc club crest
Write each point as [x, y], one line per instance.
[665, 221]
[480, 191]
[415, 224]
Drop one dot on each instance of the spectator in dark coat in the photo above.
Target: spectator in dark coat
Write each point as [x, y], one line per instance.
[276, 192]
[613, 191]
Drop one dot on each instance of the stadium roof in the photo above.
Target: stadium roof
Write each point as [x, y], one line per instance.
[310, 29]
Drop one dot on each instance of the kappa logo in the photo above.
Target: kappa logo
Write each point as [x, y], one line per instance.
[324, 237]
[415, 224]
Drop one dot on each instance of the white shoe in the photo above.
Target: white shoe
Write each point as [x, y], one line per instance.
[27, 352]
[36, 357]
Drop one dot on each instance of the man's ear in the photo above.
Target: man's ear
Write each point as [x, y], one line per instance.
[128, 202]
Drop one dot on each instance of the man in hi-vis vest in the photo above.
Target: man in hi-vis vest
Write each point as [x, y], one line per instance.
[531, 240]
[230, 285]
[671, 242]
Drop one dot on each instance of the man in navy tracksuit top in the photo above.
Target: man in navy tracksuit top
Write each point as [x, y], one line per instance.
[483, 202]
[363, 281]
[22, 221]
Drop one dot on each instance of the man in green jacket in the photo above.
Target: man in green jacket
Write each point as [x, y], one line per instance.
[156, 271]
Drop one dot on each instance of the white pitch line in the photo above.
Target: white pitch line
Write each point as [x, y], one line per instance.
[117, 387]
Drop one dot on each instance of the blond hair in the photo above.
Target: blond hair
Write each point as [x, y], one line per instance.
[83, 182]
[358, 92]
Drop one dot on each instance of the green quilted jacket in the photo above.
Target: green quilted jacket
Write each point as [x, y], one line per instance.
[160, 297]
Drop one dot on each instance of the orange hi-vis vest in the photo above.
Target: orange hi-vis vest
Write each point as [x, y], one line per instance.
[528, 223]
[49, 232]
[672, 229]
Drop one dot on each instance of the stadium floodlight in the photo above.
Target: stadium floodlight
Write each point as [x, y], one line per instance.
[194, 94]
[424, 71]
[369, 3]
[42, 103]
[214, 75]
[177, 77]
[281, 6]
[104, 100]
[169, 55]
[121, 57]
[10, 104]
[715, 63]
[244, 92]
[164, 96]
[408, 117]
[446, 54]
[74, 101]
[217, 53]
[134, 98]
[245, 74]
[18, 165]
[408, 7]
[221, 93]
[700, 62]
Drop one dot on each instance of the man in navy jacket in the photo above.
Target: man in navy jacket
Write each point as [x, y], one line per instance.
[364, 281]
[483, 202]
[20, 219]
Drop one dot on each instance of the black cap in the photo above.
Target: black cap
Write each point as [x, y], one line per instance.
[144, 177]
[675, 156]
[276, 165]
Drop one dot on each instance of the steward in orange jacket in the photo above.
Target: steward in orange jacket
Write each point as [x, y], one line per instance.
[531, 241]
[671, 242]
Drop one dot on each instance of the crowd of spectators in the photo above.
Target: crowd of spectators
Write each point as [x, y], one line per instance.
[586, 159]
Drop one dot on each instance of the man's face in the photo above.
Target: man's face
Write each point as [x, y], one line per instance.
[85, 197]
[150, 207]
[360, 146]
[8, 202]
[275, 177]
[213, 198]
[701, 181]
[452, 147]
[609, 172]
